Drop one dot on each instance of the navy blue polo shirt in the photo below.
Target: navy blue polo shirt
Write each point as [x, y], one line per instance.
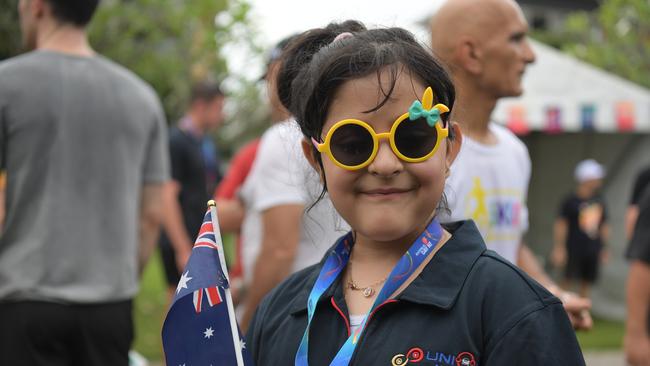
[468, 307]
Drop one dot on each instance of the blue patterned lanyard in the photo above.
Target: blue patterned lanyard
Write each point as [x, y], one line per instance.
[338, 259]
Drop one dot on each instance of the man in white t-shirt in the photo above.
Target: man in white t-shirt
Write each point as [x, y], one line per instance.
[282, 233]
[485, 45]
[488, 183]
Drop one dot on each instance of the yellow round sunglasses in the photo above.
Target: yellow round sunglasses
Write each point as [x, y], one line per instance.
[415, 136]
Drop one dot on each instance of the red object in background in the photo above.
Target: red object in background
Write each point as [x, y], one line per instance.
[553, 120]
[517, 120]
[625, 116]
[240, 166]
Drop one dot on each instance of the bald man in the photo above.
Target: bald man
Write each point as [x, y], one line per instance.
[484, 44]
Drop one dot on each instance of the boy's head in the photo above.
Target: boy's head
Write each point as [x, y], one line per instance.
[589, 174]
[206, 105]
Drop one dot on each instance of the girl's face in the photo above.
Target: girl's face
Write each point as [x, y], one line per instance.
[389, 199]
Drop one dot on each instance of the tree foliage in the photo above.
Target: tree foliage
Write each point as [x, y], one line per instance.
[9, 29]
[168, 43]
[616, 37]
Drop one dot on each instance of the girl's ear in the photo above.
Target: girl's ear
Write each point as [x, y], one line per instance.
[453, 146]
[310, 155]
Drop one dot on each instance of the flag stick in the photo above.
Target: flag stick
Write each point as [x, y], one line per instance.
[222, 260]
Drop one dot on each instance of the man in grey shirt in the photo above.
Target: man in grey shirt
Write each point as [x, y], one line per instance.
[83, 143]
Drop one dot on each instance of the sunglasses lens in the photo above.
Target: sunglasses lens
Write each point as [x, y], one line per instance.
[351, 144]
[415, 139]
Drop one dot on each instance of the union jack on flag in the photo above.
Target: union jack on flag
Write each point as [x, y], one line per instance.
[212, 295]
[206, 237]
[197, 329]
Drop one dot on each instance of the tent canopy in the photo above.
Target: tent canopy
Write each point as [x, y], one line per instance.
[562, 93]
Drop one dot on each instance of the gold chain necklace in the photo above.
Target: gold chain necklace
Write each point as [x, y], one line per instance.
[366, 291]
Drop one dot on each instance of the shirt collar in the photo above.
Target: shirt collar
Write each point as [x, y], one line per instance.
[442, 279]
[187, 125]
[437, 285]
[299, 303]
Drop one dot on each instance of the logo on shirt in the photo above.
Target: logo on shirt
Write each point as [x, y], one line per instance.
[465, 359]
[414, 355]
[417, 355]
[589, 219]
[494, 210]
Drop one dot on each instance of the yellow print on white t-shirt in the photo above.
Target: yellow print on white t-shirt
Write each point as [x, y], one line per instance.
[497, 212]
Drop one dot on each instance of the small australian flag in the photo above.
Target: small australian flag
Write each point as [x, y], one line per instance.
[197, 329]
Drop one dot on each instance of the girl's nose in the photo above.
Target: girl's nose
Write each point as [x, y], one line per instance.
[386, 163]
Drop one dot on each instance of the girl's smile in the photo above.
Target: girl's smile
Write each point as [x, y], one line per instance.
[386, 192]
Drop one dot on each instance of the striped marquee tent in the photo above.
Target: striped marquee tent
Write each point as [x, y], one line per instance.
[563, 94]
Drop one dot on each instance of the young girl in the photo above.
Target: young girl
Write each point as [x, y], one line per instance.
[399, 288]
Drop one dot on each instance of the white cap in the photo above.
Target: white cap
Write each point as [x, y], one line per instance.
[589, 169]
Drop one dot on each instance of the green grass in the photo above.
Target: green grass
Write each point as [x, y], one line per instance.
[150, 310]
[605, 335]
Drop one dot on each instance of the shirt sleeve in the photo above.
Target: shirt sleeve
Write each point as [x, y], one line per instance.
[565, 208]
[280, 170]
[543, 337]
[642, 181]
[156, 162]
[3, 140]
[639, 247]
[176, 157]
[527, 171]
[238, 171]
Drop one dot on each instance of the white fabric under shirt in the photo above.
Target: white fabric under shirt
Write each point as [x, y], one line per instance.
[281, 175]
[489, 184]
[355, 322]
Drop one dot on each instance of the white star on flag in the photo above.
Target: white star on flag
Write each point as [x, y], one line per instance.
[209, 332]
[242, 344]
[182, 283]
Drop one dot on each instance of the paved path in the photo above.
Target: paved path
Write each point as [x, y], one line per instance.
[614, 358]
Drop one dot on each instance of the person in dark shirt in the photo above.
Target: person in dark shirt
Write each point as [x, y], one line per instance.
[581, 228]
[196, 172]
[637, 329]
[640, 183]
